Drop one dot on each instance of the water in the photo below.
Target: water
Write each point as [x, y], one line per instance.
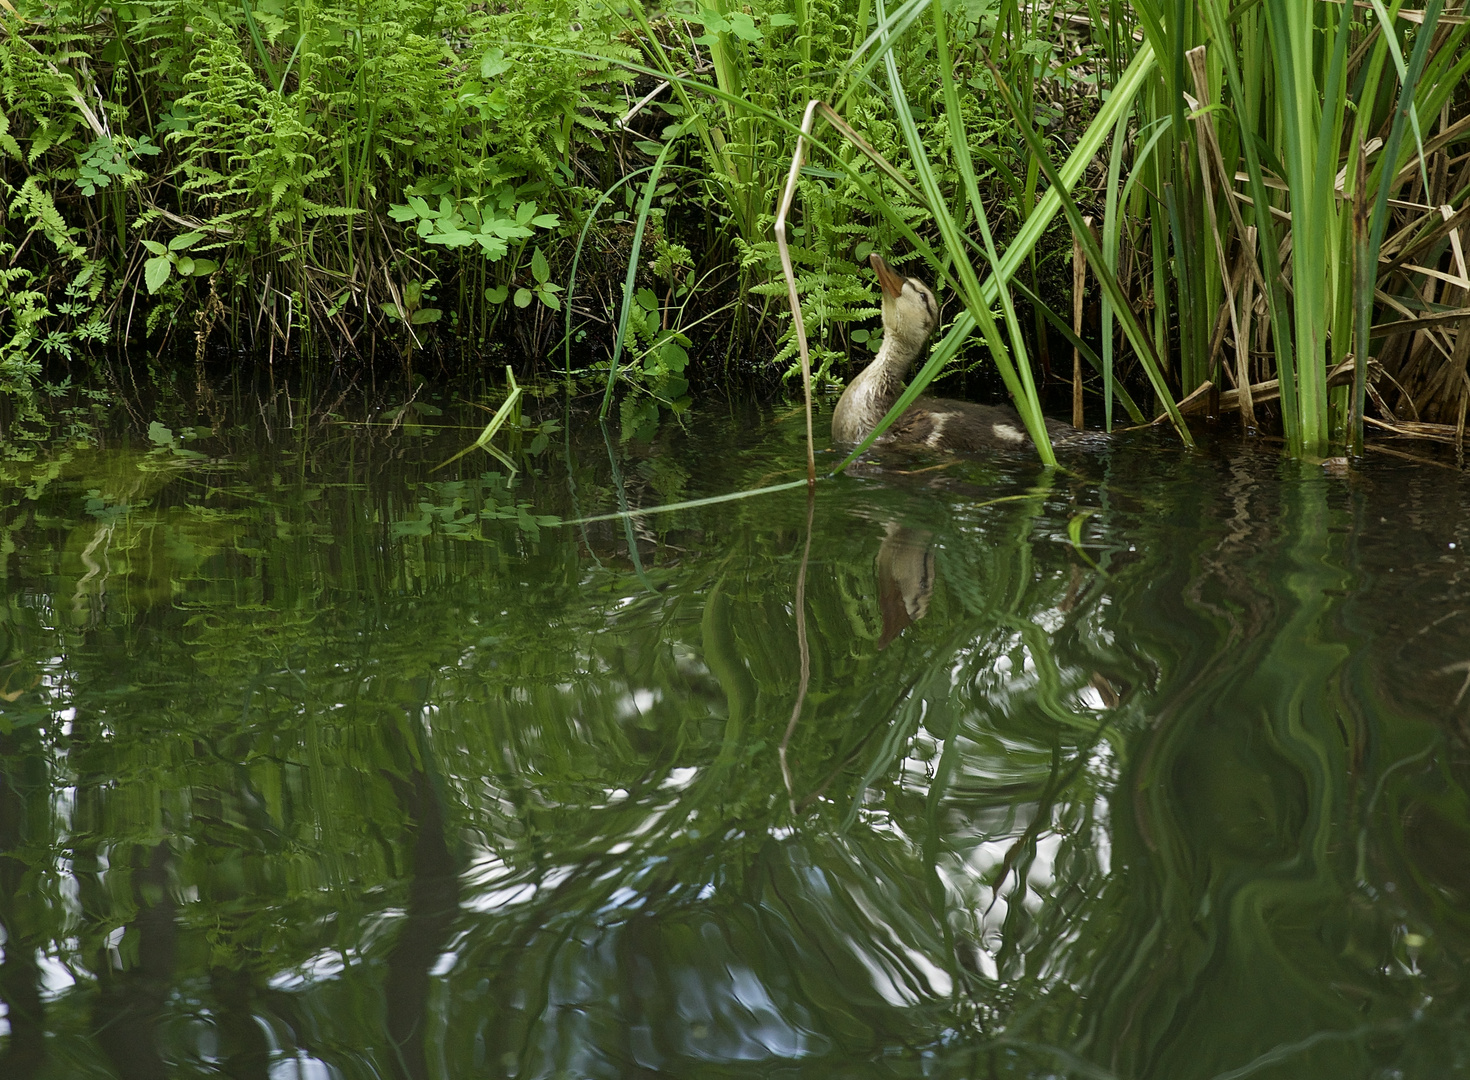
[320, 762]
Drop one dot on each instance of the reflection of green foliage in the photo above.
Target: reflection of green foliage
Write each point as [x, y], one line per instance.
[243, 674]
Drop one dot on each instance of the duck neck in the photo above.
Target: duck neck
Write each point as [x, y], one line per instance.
[869, 396]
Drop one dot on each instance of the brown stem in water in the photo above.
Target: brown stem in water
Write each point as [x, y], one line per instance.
[803, 650]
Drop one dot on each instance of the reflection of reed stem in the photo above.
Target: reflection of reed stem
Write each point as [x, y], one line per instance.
[801, 645]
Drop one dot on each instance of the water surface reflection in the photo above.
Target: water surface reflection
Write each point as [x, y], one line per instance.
[317, 760]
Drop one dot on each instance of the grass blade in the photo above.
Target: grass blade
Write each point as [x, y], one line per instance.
[644, 205]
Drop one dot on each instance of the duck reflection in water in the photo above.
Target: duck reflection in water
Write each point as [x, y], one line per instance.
[905, 567]
[906, 572]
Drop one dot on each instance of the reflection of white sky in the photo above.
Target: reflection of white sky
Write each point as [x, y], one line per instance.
[734, 1017]
[637, 703]
[1050, 620]
[679, 779]
[327, 964]
[890, 984]
[487, 886]
[300, 1067]
[56, 977]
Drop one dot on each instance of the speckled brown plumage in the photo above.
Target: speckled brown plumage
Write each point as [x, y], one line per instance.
[946, 424]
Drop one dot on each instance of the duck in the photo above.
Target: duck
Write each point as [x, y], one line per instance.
[910, 314]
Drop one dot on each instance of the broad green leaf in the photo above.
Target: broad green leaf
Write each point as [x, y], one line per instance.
[539, 268]
[155, 272]
[497, 295]
[425, 315]
[523, 298]
[155, 247]
[493, 63]
[189, 239]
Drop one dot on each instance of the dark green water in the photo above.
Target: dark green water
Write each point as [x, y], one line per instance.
[319, 762]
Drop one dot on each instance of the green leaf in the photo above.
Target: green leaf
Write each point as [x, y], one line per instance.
[204, 267]
[539, 269]
[743, 26]
[155, 247]
[546, 221]
[525, 212]
[548, 297]
[155, 272]
[189, 239]
[160, 435]
[425, 315]
[185, 266]
[497, 295]
[493, 63]
[523, 298]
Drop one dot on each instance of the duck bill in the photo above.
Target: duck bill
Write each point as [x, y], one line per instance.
[892, 284]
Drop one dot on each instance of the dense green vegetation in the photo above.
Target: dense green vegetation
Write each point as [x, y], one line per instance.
[377, 179]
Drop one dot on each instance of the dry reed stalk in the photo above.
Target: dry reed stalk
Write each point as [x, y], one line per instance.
[1247, 263]
[789, 271]
[1196, 57]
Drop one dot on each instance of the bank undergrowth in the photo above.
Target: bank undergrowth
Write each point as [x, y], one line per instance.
[377, 181]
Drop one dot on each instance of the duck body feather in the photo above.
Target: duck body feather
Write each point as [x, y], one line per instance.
[964, 426]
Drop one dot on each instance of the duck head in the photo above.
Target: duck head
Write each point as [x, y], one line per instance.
[910, 312]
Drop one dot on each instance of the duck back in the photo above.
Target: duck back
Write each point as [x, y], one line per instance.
[946, 424]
